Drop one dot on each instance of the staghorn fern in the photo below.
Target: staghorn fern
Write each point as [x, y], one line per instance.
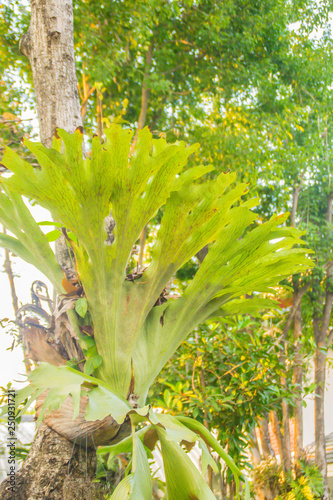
[133, 338]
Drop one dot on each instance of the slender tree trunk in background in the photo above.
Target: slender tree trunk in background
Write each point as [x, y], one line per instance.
[54, 469]
[286, 435]
[298, 372]
[144, 94]
[321, 338]
[141, 124]
[298, 377]
[255, 454]
[99, 112]
[86, 92]
[265, 440]
[320, 359]
[274, 421]
[286, 442]
[223, 486]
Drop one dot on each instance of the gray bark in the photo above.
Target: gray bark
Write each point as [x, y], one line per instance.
[54, 470]
[298, 376]
[322, 335]
[49, 46]
[265, 439]
[274, 421]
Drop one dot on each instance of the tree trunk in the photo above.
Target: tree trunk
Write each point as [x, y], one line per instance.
[320, 360]
[286, 442]
[274, 421]
[254, 451]
[55, 470]
[49, 46]
[265, 440]
[144, 94]
[286, 436]
[298, 376]
[321, 334]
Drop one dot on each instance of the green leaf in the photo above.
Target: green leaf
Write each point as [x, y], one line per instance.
[97, 360]
[207, 459]
[50, 223]
[53, 235]
[124, 488]
[62, 381]
[81, 307]
[124, 446]
[92, 363]
[88, 366]
[183, 479]
[251, 306]
[89, 341]
[174, 430]
[139, 486]
[103, 402]
[29, 243]
[233, 267]
[142, 480]
[211, 441]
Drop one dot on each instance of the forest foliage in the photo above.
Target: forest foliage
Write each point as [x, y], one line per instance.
[251, 82]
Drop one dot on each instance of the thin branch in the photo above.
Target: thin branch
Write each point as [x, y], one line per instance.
[19, 120]
[176, 68]
[144, 95]
[296, 192]
[85, 100]
[9, 271]
[308, 93]
[327, 312]
[99, 112]
[87, 91]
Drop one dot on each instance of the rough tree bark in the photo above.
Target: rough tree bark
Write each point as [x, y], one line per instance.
[297, 297]
[267, 449]
[320, 326]
[321, 323]
[144, 94]
[274, 421]
[55, 469]
[49, 46]
[298, 377]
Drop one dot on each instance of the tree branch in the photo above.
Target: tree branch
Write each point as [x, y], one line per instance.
[297, 300]
[176, 68]
[328, 215]
[8, 269]
[144, 95]
[296, 192]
